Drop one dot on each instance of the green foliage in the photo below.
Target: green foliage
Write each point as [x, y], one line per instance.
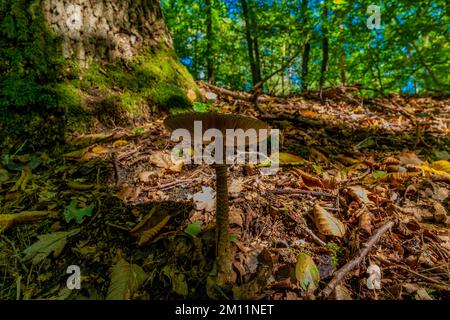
[30, 66]
[336, 252]
[43, 95]
[72, 212]
[409, 53]
[194, 228]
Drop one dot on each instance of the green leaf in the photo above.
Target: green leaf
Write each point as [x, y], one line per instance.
[284, 159]
[379, 174]
[306, 272]
[126, 279]
[194, 228]
[48, 243]
[77, 214]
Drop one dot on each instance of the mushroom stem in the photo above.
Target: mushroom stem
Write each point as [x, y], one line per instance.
[223, 260]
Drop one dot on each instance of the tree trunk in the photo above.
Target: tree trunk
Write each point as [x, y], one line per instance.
[105, 29]
[252, 44]
[324, 66]
[68, 64]
[307, 49]
[210, 41]
[305, 62]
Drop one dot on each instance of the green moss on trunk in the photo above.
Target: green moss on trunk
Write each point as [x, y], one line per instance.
[42, 96]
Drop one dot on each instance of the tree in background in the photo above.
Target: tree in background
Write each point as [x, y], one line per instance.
[408, 53]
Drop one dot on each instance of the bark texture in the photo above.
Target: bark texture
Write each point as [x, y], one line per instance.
[105, 29]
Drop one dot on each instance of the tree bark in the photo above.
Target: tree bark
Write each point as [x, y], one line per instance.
[305, 62]
[105, 29]
[210, 42]
[252, 43]
[307, 48]
[325, 48]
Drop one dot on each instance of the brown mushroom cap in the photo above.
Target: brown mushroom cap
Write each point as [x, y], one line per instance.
[212, 120]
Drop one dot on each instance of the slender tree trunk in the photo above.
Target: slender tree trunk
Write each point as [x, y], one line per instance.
[252, 44]
[210, 42]
[325, 48]
[307, 49]
[305, 62]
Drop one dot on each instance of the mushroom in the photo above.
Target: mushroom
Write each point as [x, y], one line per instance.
[220, 122]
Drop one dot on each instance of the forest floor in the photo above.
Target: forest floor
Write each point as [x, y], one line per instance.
[355, 174]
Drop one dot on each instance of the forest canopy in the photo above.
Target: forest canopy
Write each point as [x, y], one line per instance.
[315, 43]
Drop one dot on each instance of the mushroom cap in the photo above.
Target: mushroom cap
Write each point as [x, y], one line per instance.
[214, 120]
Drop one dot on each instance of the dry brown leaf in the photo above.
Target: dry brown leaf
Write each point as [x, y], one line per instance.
[164, 160]
[341, 293]
[309, 179]
[149, 226]
[409, 158]
[365, 221]
[327, 224]
[145, 176]
[391, 161]
[236, 186]
[359, 194]
[149, 234]
[236, 216]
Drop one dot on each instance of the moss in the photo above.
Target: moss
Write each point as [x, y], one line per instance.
[153, 80]
[37, 84]
[168, 96]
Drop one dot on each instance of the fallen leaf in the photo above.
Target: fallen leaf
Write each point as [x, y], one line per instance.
[235, 186]
[422, 294]
[441, 165]
[359, 194]
[48, 243]
[342, 293]
[150, 225]
[327, 224]
[178, 279]
[306, 272]
[72, 212]
[9, 220]
[365, 221]
[205, 200]
[374, 279]
[145, 176]
[164, 160]
[119, 143]
[126, 279]
[308, 179]
[194, 228]
[235, 216]
[409, 158]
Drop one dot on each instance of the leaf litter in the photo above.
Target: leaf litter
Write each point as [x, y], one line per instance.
[346, 171]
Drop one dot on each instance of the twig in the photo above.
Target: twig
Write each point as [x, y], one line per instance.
[316, 239]
[340, 274]
[299, 191]
[169, 185]
[116, 169]
[421, 276]
[117, 226]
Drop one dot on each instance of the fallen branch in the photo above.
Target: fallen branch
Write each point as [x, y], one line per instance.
[300, 191]
[342, 272]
